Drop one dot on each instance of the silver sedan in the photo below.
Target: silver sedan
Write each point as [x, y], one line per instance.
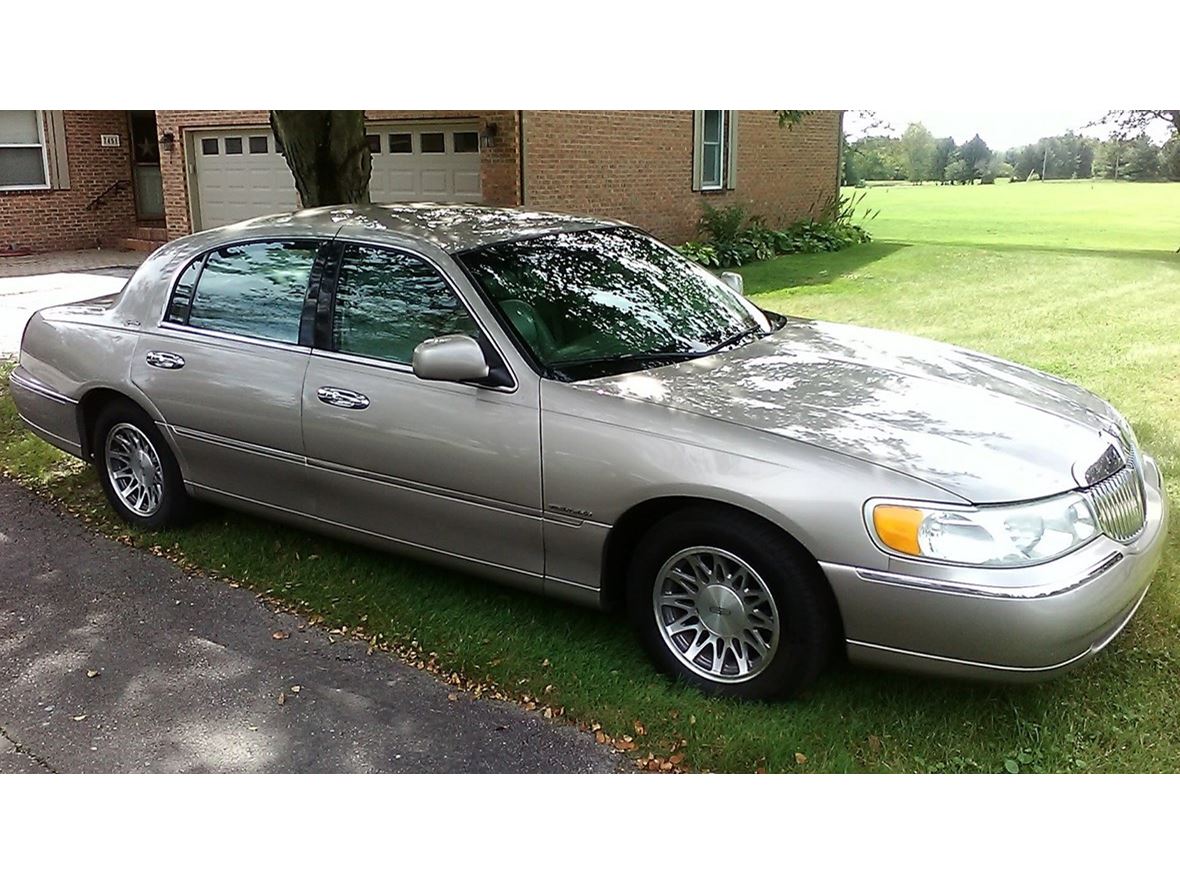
[570, 406]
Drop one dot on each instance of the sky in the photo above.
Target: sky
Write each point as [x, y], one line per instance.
[1000, 129]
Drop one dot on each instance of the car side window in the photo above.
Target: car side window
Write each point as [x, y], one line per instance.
[253, 289]
[389, 302]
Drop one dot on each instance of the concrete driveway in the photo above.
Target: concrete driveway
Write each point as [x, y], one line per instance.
[32, 282]
[113, 660]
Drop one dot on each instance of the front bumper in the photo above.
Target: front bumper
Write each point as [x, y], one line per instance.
[1019, 624]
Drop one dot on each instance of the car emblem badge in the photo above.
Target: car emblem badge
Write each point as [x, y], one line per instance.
[1109, 462]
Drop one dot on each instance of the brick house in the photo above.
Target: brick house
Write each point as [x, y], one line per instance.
[78, 179]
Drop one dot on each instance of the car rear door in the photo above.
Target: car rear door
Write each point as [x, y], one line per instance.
[446, 468]
[225, 367]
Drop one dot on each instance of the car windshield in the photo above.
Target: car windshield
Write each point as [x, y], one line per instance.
[602, 301]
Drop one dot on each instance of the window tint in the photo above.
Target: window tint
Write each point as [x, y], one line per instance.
[387, 303]
[208, 146]
[233, 145]
[401, 143]
[256, 289]
[374, 143]
[259, 144]
[433, 143]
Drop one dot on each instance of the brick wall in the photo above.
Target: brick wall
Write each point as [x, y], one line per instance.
[42, 220]
[499, 170]
[637, 166]
[632, 165]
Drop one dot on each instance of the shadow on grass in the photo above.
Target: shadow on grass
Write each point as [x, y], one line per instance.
[1167, 256]
[791, 271]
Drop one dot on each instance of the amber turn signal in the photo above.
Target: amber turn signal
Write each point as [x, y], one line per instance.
[897, 527]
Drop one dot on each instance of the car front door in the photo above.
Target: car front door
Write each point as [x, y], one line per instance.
[447, 468]
[225, 368]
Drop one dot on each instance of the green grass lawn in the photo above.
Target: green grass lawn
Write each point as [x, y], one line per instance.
[1077, 279]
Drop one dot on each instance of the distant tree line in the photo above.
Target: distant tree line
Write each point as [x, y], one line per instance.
[917, 155]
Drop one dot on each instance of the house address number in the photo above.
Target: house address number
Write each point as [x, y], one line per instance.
[110, 141]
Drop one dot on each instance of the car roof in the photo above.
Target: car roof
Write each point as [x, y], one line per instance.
[452, 227]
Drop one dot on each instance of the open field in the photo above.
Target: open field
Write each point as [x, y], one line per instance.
[1077, 279]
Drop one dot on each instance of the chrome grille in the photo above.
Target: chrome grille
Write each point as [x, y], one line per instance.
[1119, 501]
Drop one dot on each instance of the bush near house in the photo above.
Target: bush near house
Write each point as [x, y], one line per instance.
[735, 238]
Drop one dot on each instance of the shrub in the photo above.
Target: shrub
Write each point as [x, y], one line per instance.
[735, 239]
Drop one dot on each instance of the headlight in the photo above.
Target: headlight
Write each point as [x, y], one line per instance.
[1010, 534]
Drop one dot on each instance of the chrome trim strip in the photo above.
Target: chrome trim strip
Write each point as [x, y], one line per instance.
[976, 664]
[169, 329]
[32, 385]
[351, 528]
[434, 491]
[959, 588]
[1092, 650]
[237, 445]
[61, 442]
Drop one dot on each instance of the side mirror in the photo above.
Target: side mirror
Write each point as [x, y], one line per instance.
[450, 358]
[734, 281]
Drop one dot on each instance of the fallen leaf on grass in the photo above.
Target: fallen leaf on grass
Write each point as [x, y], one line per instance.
[800, 759]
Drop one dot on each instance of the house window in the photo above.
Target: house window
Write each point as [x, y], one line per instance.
[23, 162]
[714, 150]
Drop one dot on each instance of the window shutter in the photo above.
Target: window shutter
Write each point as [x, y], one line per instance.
[698, 147]
[55, 149]
[731, 150]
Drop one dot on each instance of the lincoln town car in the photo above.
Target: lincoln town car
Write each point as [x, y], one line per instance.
[568, 405]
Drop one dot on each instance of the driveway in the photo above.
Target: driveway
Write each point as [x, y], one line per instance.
[32, 282]
[114, 660]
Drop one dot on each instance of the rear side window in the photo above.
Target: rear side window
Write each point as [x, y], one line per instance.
[255, 289]
[387, 303]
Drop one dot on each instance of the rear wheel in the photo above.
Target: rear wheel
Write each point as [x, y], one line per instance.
[729, 604]
[136, 468]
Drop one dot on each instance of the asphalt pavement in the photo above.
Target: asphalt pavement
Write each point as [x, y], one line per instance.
[115, 660]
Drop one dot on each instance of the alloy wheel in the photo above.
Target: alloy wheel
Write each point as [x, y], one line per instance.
[716, 614]
[134, 469]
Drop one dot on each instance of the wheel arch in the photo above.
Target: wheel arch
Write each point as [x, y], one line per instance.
[97, 398]
[629, 529]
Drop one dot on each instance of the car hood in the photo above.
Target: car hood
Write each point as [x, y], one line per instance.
[979, 427]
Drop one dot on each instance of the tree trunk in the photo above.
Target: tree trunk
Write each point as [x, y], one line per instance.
[327, 153]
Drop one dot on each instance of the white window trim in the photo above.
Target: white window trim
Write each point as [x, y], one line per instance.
[727, 151]
[44, 159]
[721, 152]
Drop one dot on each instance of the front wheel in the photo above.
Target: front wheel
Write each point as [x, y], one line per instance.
[730, 604]
[137, 470]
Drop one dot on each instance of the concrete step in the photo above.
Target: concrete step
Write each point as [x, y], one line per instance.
[151, 233]
[133, 244]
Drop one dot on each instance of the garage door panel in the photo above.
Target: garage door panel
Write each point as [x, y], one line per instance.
[232, 187]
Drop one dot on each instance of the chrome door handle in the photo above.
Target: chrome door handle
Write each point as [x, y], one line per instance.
[163, 360]
[343, 399]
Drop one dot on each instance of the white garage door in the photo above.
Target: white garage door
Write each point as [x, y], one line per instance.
[425, 162]
[240, 174]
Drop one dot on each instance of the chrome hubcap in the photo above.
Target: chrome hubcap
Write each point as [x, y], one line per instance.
[133, 467]
[716, 614]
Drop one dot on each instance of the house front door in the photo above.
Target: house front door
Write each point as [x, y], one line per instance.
[145, 161]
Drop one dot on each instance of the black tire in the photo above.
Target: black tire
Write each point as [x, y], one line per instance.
[175, 505]
[806, 612]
